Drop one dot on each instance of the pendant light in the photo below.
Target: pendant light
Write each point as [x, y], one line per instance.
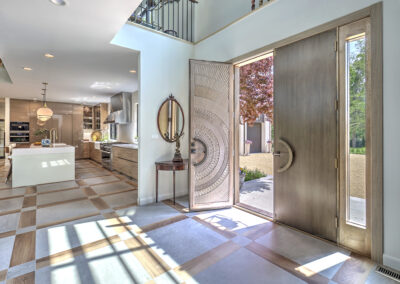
[44, 113]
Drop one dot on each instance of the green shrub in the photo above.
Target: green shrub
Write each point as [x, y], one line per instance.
[360, 151]
[253, 174]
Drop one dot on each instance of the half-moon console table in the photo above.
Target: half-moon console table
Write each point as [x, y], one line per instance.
[170, 166]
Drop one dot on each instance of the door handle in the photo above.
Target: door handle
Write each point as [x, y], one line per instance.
[289, 152]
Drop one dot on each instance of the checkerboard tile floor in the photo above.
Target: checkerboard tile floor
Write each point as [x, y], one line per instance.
[91, 231]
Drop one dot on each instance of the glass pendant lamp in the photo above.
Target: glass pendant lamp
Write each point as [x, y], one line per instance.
[44, 113]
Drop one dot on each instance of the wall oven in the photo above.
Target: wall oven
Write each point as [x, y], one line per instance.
[105, 149]
[19, 132]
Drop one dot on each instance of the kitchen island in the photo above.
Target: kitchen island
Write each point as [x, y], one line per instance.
[39, 165]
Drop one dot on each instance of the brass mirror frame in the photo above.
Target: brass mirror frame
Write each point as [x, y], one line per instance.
[171, 98]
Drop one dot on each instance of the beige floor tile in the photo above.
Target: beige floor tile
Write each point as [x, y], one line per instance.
[11, 204]
[27, 219]
[119, 200]
[109, 188]
[29, 201]
[28, 278]
[57, 186]
[24, 248]
[99, 180]
[60, 196]
[5, 193]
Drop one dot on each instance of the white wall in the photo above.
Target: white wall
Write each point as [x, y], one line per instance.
[163, 69]
[211, 15]
[284, 18]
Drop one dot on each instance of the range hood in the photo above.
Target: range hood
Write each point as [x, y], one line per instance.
[121, 109]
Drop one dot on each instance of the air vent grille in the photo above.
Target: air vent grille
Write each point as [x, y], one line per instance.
[388, 273]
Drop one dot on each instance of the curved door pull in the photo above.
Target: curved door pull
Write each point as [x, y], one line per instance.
[290, 158]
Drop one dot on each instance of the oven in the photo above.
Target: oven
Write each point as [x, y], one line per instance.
[105, 149]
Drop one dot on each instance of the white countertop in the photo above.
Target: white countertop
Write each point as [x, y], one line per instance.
[33, 150]
[129, 146]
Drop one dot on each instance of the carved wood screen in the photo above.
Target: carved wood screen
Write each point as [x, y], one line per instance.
[211, 135]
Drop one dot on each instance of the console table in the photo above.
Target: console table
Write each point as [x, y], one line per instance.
[170, 166]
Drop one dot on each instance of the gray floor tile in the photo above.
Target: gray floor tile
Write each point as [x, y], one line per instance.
[64, 211]
[308, 251]
[11, 204]
[62, 237]
[6, 247]
[182, 241]
[21, 269]
[233, 219]
[9, 222]
[149, 214]
[244, 267]
[112, 264]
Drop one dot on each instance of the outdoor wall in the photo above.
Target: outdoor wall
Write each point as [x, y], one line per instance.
[284, 18]
[163, 69]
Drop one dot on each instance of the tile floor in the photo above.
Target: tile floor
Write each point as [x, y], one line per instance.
[91, 231]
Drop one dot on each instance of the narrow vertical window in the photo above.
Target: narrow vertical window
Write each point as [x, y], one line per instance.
[356, 129]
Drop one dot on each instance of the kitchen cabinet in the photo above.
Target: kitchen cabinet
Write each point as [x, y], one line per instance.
[19, 110]
[85, 154]
[125, 161]
[95, 154]
[94, 116]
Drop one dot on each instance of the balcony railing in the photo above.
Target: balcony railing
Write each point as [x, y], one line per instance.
[173, 17]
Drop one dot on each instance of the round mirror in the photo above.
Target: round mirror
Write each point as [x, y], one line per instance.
[170, 120]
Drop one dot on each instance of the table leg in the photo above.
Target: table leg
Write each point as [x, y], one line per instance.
[156, 185]
[174, 186]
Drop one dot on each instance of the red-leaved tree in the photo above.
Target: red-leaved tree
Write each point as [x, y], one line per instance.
[256, 90]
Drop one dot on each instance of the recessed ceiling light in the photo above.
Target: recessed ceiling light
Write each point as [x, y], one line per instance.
[27, 68]
[48, 55]
[132, 71]
[58, 2]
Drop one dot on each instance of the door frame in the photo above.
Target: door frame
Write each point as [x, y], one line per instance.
[374, 12]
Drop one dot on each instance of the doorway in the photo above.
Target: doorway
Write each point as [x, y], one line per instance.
[310, 145]
[256, 108]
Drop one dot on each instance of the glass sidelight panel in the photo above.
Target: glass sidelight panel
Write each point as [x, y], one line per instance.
[356, 129]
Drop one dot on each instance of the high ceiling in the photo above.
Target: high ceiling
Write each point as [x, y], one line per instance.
[86, 67]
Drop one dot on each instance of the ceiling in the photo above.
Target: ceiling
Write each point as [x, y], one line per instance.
[86, 67]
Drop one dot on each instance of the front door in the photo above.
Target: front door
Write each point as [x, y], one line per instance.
[305, 123]
[211, 135]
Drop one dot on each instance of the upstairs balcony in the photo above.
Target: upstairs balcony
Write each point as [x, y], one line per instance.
[173, 17]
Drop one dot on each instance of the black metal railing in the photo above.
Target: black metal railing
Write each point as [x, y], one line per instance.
[257, 4]
[173, 17]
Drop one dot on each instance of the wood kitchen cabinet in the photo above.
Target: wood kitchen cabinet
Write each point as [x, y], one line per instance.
[125, 161]
[19, 110]
[95, 154]
[85, 154]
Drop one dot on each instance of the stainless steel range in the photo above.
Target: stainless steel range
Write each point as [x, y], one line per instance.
[105, 149]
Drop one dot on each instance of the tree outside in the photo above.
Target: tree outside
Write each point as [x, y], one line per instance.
[356, 55]
[256, 90]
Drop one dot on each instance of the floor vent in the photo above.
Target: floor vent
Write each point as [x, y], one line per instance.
[388, 273]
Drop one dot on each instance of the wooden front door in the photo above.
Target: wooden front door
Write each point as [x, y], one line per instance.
[211, 135]
[305, 123]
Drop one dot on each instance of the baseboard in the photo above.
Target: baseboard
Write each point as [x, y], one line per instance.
[391, 261]
[161, 197]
